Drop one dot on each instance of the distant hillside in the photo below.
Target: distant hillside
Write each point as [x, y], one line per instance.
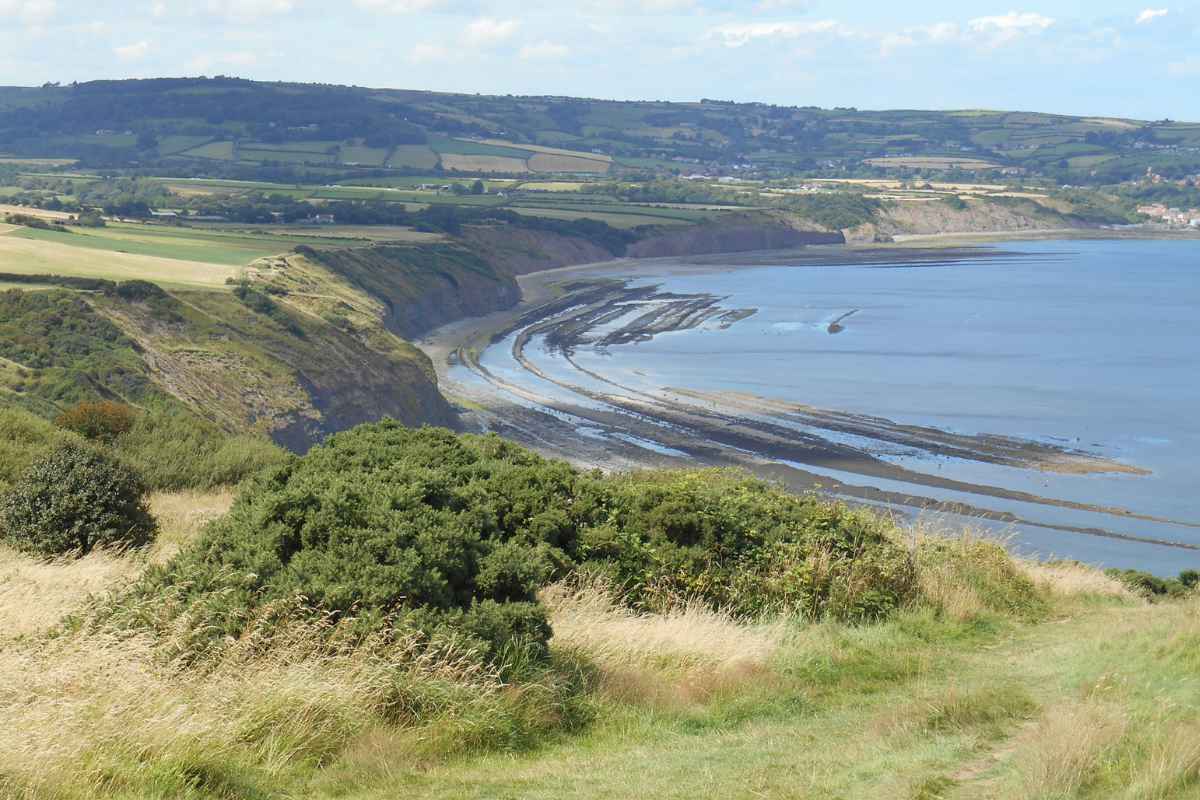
[335, 129]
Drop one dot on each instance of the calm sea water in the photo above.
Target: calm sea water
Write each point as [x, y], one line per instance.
[1093, 345]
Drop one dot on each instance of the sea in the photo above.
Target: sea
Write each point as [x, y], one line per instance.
[1091, 345]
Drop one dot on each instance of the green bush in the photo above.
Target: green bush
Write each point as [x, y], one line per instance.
[738, 543]
[455, 535]
[101, 421]
[384, 522]
[75, 500]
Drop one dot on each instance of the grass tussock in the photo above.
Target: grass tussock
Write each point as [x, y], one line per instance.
[684, 654]
[1071, 579]
[964, 576]
[96, 714]
[1066, 750]
[35, 594]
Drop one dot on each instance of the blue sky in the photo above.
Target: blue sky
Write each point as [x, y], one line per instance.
[1104, 57]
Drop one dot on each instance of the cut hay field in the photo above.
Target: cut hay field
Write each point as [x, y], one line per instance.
[170, 256]
[54, 216]
[482, 163]
[932, 162]
[545, 162]
[26, 256]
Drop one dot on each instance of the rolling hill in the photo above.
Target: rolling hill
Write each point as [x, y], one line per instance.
[207, 122]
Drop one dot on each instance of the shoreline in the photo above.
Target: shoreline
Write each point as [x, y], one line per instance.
[625, 429]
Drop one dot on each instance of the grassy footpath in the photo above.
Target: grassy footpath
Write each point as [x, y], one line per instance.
[1096, 701]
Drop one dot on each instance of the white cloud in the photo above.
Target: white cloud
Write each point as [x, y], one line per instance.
[781, 5]
[31, 12]
[249, 9]
[999, 30]
[921, 35]
[637, 6]
[428, 53]
[132, 52]
[486, 31]
[1151, 14]
[739, 35]
[544, 51]
[399, 6]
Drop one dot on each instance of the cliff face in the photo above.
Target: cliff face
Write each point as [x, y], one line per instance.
[732, 236]
[296, 384]
[518, 251]
[420, 287]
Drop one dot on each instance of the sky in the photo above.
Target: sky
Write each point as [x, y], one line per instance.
[1102, 57]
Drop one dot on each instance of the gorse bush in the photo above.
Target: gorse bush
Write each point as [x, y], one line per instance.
[455, 535]
[75, 500]
[740, 544]
[101, 421]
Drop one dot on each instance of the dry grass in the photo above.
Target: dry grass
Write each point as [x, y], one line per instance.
[87, 714]
[1067, 748]
[35, 594]
[181, 515]
[1069, 579]
[682, 656]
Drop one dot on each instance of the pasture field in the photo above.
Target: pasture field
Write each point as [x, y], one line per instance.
[361, 154]
[482, 163]
[413, 156]
[37, 162]
[552, 186]
[932, 162]
[552, 151]
[545, 162]
[214, 151]
[172, 145]
[284, 156]
[27, 256]
[184, 257]
[470, 147]
[617, 220]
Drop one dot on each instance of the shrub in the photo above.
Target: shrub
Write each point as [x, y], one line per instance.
[737, 543]
[101, 421]
[387, 524]
[454, 536]
[172, 449]
[75, 500]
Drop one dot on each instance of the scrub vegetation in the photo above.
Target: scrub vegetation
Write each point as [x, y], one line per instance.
[417, 613]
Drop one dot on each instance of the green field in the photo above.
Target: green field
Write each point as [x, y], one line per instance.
[367, 156]
[217, 151]
[413, 156]
[171, 256]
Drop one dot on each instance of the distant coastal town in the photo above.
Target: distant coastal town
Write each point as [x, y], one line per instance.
[1174, 217]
